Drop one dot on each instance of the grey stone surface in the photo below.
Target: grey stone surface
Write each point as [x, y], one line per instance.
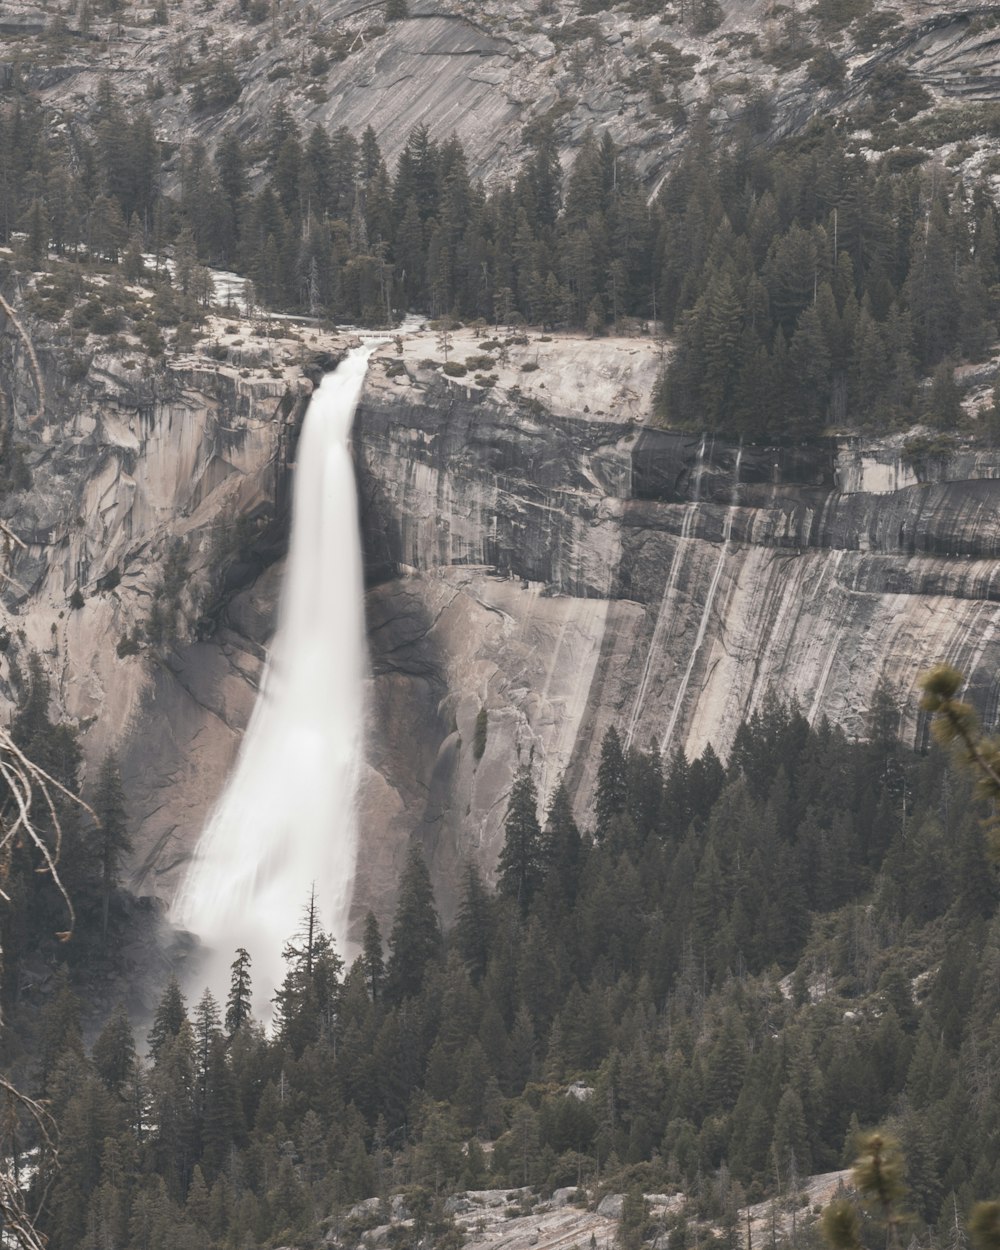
[365, 1209]
[486, 71]
[127, 461]
[573, 574]
[564, 572]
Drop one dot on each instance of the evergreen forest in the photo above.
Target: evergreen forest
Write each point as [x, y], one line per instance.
[805, 284]
[711, 986]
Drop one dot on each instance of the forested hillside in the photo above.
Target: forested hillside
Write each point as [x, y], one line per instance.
[809, 285]
[742, 965]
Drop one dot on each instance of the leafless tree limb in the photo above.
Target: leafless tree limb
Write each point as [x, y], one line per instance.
[29, 785]
[27, 782]
[29, 347]
[11, 537]
[19, 1223]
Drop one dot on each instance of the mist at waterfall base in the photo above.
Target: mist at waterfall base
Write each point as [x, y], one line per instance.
[286, 820]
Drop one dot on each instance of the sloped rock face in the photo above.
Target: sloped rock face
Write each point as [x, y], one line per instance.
[438, 66]
[562, 573]
[129, 465]
[569, 575]
[491, 71]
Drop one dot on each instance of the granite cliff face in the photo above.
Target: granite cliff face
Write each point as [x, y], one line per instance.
[157, 491]
[572, 574]
[564, 572]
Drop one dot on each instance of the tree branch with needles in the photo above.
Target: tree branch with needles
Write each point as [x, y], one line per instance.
[955, 724]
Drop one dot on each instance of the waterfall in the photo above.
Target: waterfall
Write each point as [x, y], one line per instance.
[286, 819]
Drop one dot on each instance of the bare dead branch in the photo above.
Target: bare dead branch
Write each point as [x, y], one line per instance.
[26, 780]
[29, 785]
[29, 347]
[18, 1222]
[9, 534]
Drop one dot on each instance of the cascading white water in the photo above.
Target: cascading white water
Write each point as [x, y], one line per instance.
[286, 819]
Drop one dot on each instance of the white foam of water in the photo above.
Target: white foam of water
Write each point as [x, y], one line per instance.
[287, 817]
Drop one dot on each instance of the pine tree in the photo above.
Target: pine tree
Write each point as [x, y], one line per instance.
[220, 1118]
[240, 998]
[59, 1029]
[133, 264]
[114, 1054]
[790, 1147]
[306, 1003]
[206, 1027]
[372, 958]
[520, 867]
[168, 1020]
[612, 787]
[562, 846]
[36, 244]
[944, 402]
[415, 939]
[173, 1084]
[644, 785]
[474, 924]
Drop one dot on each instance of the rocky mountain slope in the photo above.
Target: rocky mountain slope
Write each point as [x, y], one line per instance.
[488, 72]
[534, 550]
[492, 1218]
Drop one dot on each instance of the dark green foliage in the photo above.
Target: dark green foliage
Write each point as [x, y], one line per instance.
[521, 863]
[216, 84]
[837, 13]
[308, 998]
[807, 287]
[651, 965]
[113, 839]
[114, 1055]
[612, 787]
[163, 625]
[372, 958]
[14, 474]
[415, 940]
[475, 925]
[168, 1020]
[240, 999]
[331, 230]
[705, 15]
[562, 848]
[481, 730]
